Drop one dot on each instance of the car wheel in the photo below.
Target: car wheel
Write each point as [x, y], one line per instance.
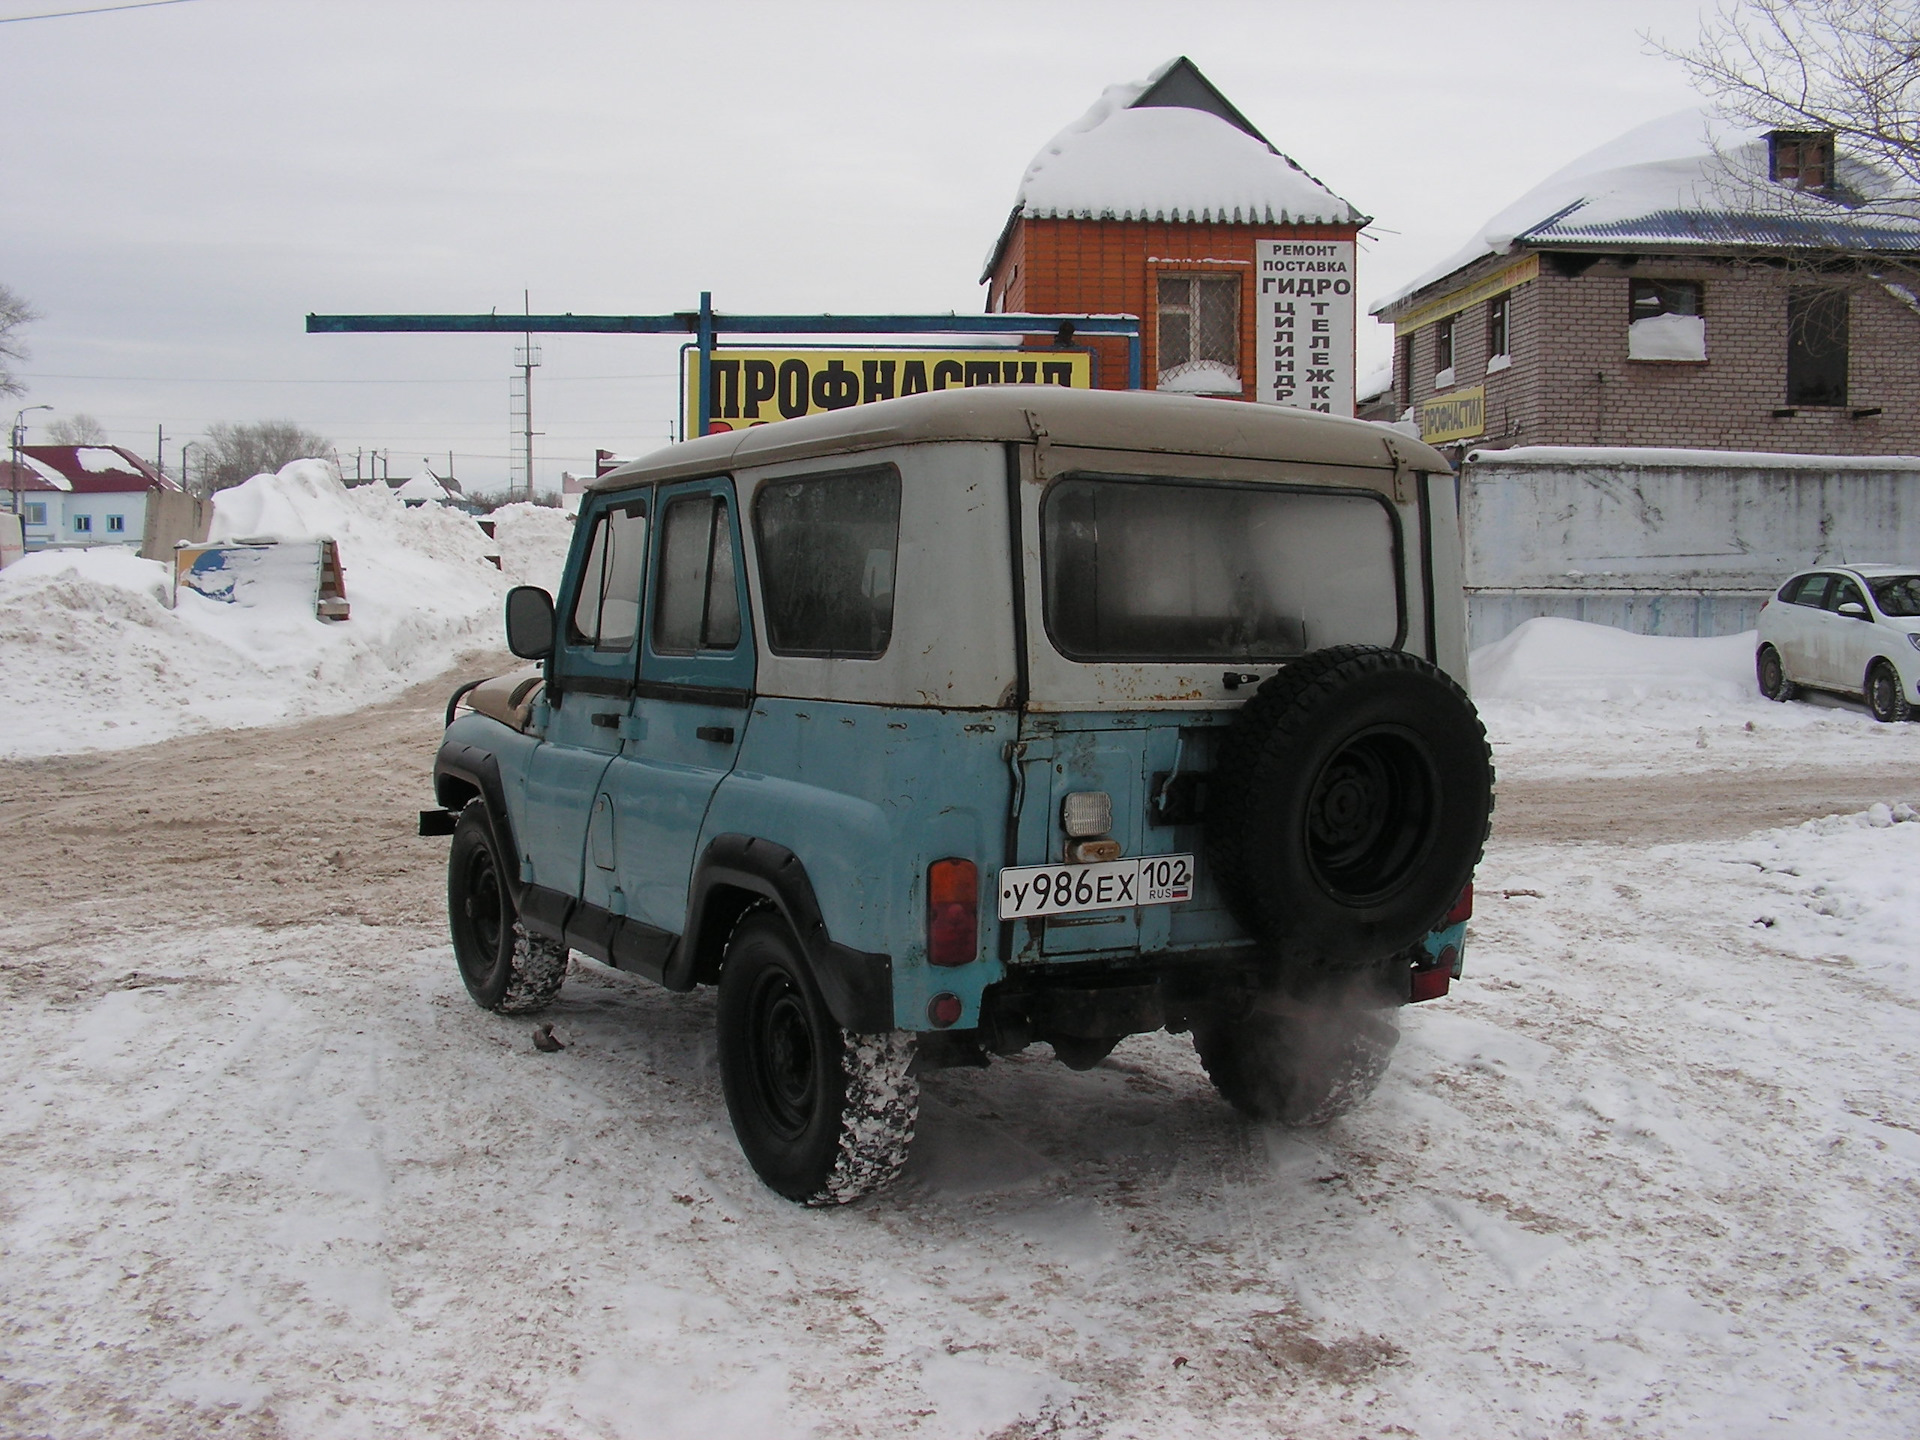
[504, 967]
[1303, 1068]
[1885, 698]
[1772, 675]
[1349, 806]
[824, 1115]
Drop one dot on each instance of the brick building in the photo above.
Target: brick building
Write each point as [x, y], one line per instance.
[1164, 201]
[1687, 285]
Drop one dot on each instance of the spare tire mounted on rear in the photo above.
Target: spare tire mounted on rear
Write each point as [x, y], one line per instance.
[1349, 806]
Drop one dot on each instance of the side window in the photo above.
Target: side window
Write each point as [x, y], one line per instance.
[696, 605]
[1812, 590]
[827, 546]
[606, 610]
[1843, 591]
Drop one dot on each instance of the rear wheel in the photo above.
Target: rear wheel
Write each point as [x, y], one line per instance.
[1303, 1067]
[1772, 675]
[824, 1115]
[504, 967]
[1885, 698]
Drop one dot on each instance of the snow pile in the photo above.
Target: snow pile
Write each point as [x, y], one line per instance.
[92, 657]
[1569, 662]
[533, 541]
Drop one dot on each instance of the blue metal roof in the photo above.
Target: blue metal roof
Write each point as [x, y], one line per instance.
[1880, 233]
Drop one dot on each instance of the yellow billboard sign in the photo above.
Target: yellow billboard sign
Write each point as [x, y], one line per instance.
[757, 387]
[1457, 415]
[1500, 281]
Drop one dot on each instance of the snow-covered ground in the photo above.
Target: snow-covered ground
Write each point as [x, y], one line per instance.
[96, 654]
[1650, 1170]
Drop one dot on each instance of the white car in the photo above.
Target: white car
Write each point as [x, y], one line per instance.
[1849, 629]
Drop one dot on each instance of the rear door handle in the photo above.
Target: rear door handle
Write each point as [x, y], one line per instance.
[719, 734]
[607, 719]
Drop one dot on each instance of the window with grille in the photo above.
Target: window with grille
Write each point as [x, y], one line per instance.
[1816, 346]
[1199, 336]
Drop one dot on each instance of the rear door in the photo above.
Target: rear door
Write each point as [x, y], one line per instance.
[590, 690]
[1855, 638]
[692, 700]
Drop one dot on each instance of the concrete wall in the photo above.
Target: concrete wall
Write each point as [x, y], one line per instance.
[1666, 542]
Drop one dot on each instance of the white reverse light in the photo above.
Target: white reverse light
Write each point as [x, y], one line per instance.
[1086, 813]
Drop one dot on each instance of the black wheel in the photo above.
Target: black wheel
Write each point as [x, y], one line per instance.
[1885, 698]
[824, 1115]
[505, 968]
[1772, 675]
[1303, 1068]
[1351, 801]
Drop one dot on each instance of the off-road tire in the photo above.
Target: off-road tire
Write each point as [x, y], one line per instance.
[1771, 676]
[1885, 697]
[824, 1115]
[1350, 803]
[503, 966]
[1304, 1068]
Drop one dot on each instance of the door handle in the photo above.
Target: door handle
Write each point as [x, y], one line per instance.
[607, 719]
[719, 734]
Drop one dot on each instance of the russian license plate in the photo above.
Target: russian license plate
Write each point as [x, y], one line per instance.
[1032, 890]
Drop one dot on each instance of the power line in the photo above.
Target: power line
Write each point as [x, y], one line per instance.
[96, 10]
[357, 380]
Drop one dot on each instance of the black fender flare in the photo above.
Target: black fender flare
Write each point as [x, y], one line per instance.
[857, 985]
[463, 772]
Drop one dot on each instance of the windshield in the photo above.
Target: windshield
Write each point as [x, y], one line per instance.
[1177, 570]
[1897, 595]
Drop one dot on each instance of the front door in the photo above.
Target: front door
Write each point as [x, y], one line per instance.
[693, 698]
[590, 691]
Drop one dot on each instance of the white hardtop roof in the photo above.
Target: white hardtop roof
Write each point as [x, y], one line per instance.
[1684, 180]
[1135, 420]
[1169, 148]
[1868, 572]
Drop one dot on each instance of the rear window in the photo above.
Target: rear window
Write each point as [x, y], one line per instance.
[1150, 569]
[827, 547]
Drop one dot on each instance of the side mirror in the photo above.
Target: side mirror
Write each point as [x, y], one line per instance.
[529, 622]
[1852, 609]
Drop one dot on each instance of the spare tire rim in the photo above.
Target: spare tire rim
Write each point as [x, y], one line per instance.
[1371, 815]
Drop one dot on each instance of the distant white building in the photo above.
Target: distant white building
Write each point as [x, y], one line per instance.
[81, 494]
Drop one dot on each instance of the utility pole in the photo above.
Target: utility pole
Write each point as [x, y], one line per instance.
[160, 448]
[525, 358]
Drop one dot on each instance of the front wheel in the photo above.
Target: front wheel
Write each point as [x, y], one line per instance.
[1772, 675]
[1304, 1066]
[504, 967]
[824, 1115]
[1885, 697]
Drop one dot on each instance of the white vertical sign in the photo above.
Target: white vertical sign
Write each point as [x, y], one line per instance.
[1303, 324]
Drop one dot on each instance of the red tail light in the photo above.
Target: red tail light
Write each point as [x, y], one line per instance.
[1462, 908]
[953, 912]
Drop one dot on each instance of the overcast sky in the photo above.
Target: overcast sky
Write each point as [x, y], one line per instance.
[182, 184]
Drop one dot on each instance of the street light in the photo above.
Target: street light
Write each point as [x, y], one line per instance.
[19, 437]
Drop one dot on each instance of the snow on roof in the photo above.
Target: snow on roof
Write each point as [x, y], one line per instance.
[1142, 151]
[1376, 382]
[45, 471]
[100, 460]
[95, 469]
[1690, 178]
[424, 486]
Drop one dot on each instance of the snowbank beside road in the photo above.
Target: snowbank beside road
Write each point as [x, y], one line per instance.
[1587, 698]
[92, 656]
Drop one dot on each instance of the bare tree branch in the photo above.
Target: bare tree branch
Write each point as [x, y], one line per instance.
[15, 312]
